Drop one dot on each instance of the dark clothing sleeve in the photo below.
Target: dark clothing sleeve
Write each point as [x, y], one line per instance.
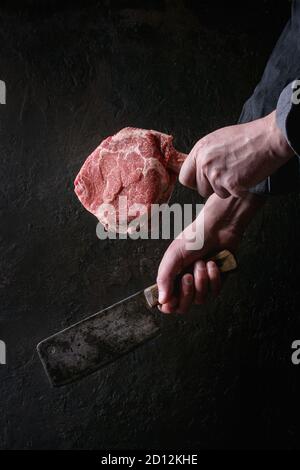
[274, 91]
[288, 114]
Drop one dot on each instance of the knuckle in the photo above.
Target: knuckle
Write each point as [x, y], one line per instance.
[211, 266]
[200, 268]
[199, 264]
[201, 277]
[232, 184]
[215, 174]
[205, 166]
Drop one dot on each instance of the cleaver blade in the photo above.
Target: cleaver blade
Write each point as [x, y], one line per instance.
[96, 341]
[103, 337]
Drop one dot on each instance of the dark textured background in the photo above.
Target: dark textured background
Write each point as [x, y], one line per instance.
[76, 73]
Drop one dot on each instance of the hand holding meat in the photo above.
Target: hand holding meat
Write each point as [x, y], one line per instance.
[233, 159]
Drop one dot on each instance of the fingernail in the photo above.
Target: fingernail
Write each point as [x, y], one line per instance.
[200, 265]
[188, 281]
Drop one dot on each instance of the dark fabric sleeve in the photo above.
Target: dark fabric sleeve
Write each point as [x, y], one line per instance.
[286, 179]
[288, 114]
[274, 92]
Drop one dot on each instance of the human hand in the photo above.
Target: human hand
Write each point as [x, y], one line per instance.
[224, 223]
[233, 159]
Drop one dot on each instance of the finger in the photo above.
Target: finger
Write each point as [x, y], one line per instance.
[200, 281]
[216, 185]
[205, 188]
[214, 277]
[221, 192]
[178, 256]
[191, 174]
[186, 293]
[170, 306]
[187, 175]
[170, 266]
[224, 192]
[226, 188]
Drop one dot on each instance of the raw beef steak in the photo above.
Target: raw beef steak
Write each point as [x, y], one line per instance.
[137, 163]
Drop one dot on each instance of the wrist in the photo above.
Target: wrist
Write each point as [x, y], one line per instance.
[277, 142]
[243, 210]
[234, 213]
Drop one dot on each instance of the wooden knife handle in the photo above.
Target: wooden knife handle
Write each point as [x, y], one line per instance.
[224, 260]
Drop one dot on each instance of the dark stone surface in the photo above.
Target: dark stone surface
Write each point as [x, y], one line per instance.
[221, 377]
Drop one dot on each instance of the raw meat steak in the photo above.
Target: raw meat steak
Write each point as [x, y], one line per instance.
[137, 163]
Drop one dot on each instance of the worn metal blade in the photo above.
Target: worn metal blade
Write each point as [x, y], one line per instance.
[98, 340]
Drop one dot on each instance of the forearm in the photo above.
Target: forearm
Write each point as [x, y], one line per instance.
[231, 213]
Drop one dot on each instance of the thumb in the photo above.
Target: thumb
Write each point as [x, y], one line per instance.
[177, 257]
[171, 265]
[187, 175]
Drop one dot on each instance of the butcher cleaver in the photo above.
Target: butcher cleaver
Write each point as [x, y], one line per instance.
[102, 338]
